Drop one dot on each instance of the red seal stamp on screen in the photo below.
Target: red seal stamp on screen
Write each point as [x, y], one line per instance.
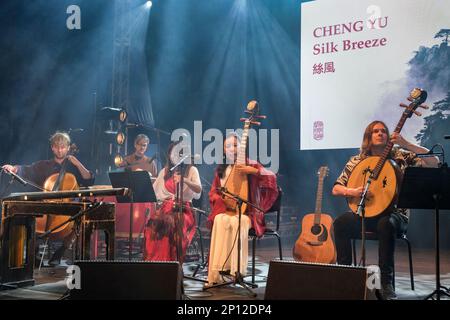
[318, 130]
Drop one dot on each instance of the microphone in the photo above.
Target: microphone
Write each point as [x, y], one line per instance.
[183, 159]
[76, 130]
[19, 179]
[430, 153]
[133, 125]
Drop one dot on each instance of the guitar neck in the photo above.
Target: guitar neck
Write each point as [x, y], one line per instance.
[387, 150]
[241, 155]
[319, 199]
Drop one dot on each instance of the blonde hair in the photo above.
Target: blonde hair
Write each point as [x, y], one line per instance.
[140, 137]
[60, 137]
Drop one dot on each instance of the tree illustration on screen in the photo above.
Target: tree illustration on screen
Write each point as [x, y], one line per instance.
[430, 69]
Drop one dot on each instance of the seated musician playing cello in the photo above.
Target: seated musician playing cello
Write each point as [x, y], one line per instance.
[387, 226]
[138, 160]
[39, 172]
[263, 192]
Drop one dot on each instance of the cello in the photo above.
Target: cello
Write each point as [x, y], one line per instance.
[58, 182]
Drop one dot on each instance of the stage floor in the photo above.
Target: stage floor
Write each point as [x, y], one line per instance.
[50, 284]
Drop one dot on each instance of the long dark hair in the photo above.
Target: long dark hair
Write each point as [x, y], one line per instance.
[222, 167]
[167, 173]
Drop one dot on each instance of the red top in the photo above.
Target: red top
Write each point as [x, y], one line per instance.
[263, 192]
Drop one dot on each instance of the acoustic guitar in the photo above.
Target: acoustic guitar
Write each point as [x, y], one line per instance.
[315, 243]
[384, 175]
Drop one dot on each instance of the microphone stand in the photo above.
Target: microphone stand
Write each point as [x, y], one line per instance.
[72, 218]
[136, 125]
[16, 177]
[238, 279]
[158, 137]
[21, 180]
[361, 212]
[179, 218]
[6, 189]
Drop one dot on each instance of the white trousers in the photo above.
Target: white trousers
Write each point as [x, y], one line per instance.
[224, 246]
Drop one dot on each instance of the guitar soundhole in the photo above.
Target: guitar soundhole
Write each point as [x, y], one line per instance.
[316, 229]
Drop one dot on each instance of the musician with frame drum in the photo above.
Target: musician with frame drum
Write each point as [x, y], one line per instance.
[39, 172]
[393, 221]
[138, 160]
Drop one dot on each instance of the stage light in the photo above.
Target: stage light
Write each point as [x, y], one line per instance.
[122, 116]
[120, 138]
[113, 114]
[114, 137]
[148, 4]
[118, 159]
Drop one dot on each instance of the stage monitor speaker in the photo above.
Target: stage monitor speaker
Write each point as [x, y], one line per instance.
[292, 280]
[136, 280]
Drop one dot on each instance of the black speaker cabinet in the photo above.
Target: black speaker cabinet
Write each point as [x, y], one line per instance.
[291, 280]
[137, 280]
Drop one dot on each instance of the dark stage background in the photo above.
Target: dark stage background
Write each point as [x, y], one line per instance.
[190, 60]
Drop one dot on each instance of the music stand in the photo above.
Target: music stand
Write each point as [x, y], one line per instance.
[141, 190]
[428, 188]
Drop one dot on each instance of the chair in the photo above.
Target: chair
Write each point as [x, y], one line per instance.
[198, 233]
[196, 204]
[401, 236]
[276, 208]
